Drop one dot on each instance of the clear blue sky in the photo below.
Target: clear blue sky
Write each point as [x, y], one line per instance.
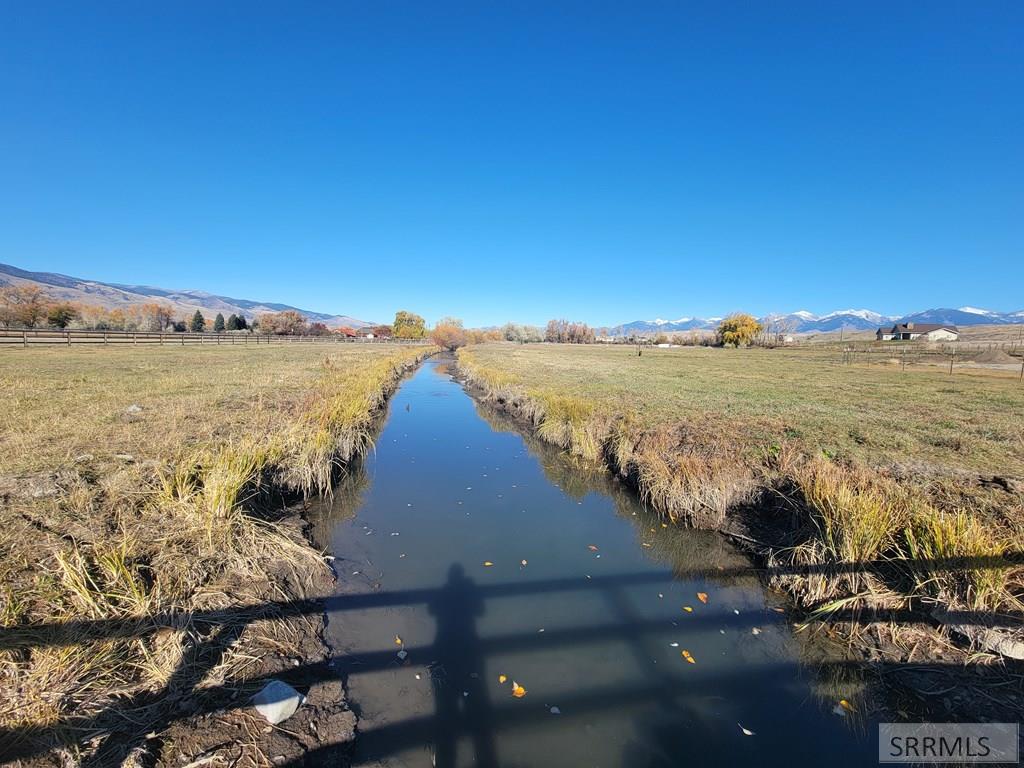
[521, 160]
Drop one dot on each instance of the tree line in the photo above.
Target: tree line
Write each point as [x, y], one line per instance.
[26, 306]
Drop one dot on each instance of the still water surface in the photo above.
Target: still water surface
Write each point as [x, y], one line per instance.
[593, 624]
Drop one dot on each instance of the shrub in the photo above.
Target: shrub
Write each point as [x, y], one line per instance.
[449, 334]
[738, 330]
[286, 323]
[408, 325]
[60, 315]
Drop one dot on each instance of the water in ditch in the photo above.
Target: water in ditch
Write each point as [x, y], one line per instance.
[471, 558]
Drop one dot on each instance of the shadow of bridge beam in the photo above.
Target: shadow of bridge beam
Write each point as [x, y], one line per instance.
[79, 631]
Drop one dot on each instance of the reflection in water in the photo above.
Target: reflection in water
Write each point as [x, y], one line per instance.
[459, 689]
[593, 626]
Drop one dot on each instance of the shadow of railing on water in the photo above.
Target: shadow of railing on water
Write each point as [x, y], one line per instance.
[157, 710]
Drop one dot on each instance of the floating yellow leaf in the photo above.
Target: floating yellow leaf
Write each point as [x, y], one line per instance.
[502, 679]
[517, 690]
[688, 609]
[688, 657]
[845, 705]
[488, 563]
[702, 596]
[398, 640]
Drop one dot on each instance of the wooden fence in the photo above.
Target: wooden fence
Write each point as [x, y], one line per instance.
[24, 337]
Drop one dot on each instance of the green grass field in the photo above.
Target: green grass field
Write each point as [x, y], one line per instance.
[873, 413]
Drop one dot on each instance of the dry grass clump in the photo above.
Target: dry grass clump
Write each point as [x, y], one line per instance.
[129, 583]
[686, 479]
[857, 515]
[953, 558]
[570, 422]
[337, 420]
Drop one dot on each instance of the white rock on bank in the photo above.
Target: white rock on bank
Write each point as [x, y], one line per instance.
[277, 701]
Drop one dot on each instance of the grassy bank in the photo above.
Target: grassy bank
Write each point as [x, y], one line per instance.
[870, 492]
[143, 539]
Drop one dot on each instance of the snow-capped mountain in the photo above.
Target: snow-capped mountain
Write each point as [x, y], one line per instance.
[665, 326]
[843, 319]
[803, 321]
[962, 316]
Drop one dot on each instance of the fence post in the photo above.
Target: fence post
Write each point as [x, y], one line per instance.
[135, 338]
[161, 338]
[104, 337]
[24, 338]
[68, 334]
[183, 339]
[951, 358]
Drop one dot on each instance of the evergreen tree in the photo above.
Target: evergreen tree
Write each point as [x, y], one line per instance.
[232, 322]
[218, 323]
[198, 322]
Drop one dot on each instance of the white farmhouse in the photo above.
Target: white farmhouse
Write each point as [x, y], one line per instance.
[923, 331]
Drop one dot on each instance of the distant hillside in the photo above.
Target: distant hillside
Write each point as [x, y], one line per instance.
[183, 302]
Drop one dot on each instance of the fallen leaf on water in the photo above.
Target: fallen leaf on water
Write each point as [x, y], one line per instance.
[845, 705]
[488, 563]
[517, 690]
[502, 679]
[755, 631]
[779, 610]
[645, 544]
[688, 657]
[673, 645]
[592, 548]
[746, 731]
[402, 654]
[398, 640]
[556, 711]
[522, 563]
[702, 596]
[688, 609]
